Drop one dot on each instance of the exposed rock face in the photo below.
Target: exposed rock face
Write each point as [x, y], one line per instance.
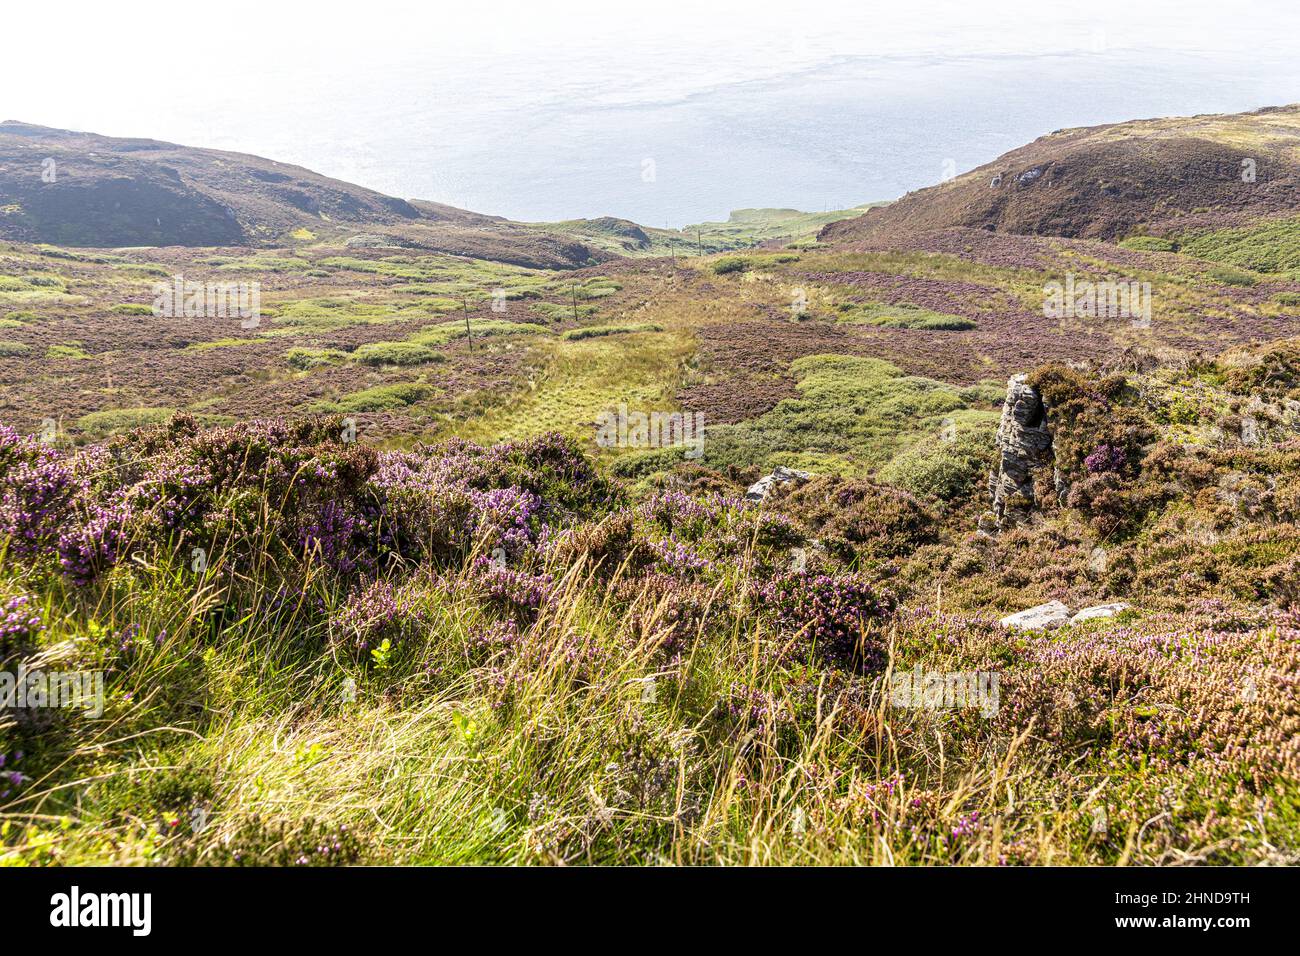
[1024, 445]
[779, 476]
[1044, 617]
[1099, 610]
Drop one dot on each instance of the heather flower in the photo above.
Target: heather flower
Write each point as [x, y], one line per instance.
[506, 518]
[20, 625]
[827, 616]
[1106, 458]
[514, 592]
[371, 614]
[678, 557]
[37, 498]
[94, 545]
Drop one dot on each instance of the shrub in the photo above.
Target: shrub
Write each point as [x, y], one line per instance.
[826, 617]
[308, 358]
[859, 518]
[396, 353]
[121, 419]
[730, 264]
[595, 331]
[907, 316]
[947, 470]
[444, 332]
[1230, 276]
[383, 397]
[1273, 368]
[132, 308]
[66, 351]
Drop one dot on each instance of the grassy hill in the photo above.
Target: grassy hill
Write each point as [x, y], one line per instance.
[1146, 176]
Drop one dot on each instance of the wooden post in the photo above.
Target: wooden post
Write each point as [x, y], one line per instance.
[469, 334]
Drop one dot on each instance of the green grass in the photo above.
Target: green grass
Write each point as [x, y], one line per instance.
[99, 424]
[853, 416]
[67, 350]
[218, 344]
[304, 358]
[396, 353]
[904, 316]
[1149, 244]
[380, 398]
[444, 332]
[1269, 247]
[596, 331]
[561, 311]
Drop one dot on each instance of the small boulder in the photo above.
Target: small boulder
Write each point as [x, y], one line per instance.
[779, 476]
[1044, 617]
[1099, 610]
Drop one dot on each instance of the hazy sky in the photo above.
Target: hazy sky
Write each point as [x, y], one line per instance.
[507, 105]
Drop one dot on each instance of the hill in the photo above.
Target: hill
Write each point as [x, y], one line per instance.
[86, 190]
[1155, 176]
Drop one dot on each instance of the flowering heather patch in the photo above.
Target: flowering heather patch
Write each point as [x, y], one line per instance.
[373, 613]
[296, 486]
[666, 611]
[827, 616]
[93, 545]
[507, 518]
[1202, 690]
[487, 640]
[339, 537]
[512, 592]
[1106, 458]
[37, 499]
[20, 626]
[678, 557]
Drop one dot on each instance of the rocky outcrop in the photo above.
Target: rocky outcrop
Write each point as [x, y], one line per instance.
[1099, 610]
[1044, 617]
[1054, 614]
[1024, 445]
[779, 476]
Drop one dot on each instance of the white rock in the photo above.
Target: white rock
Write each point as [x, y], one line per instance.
[1040, 618]
[1099, 610]
[779, 476]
